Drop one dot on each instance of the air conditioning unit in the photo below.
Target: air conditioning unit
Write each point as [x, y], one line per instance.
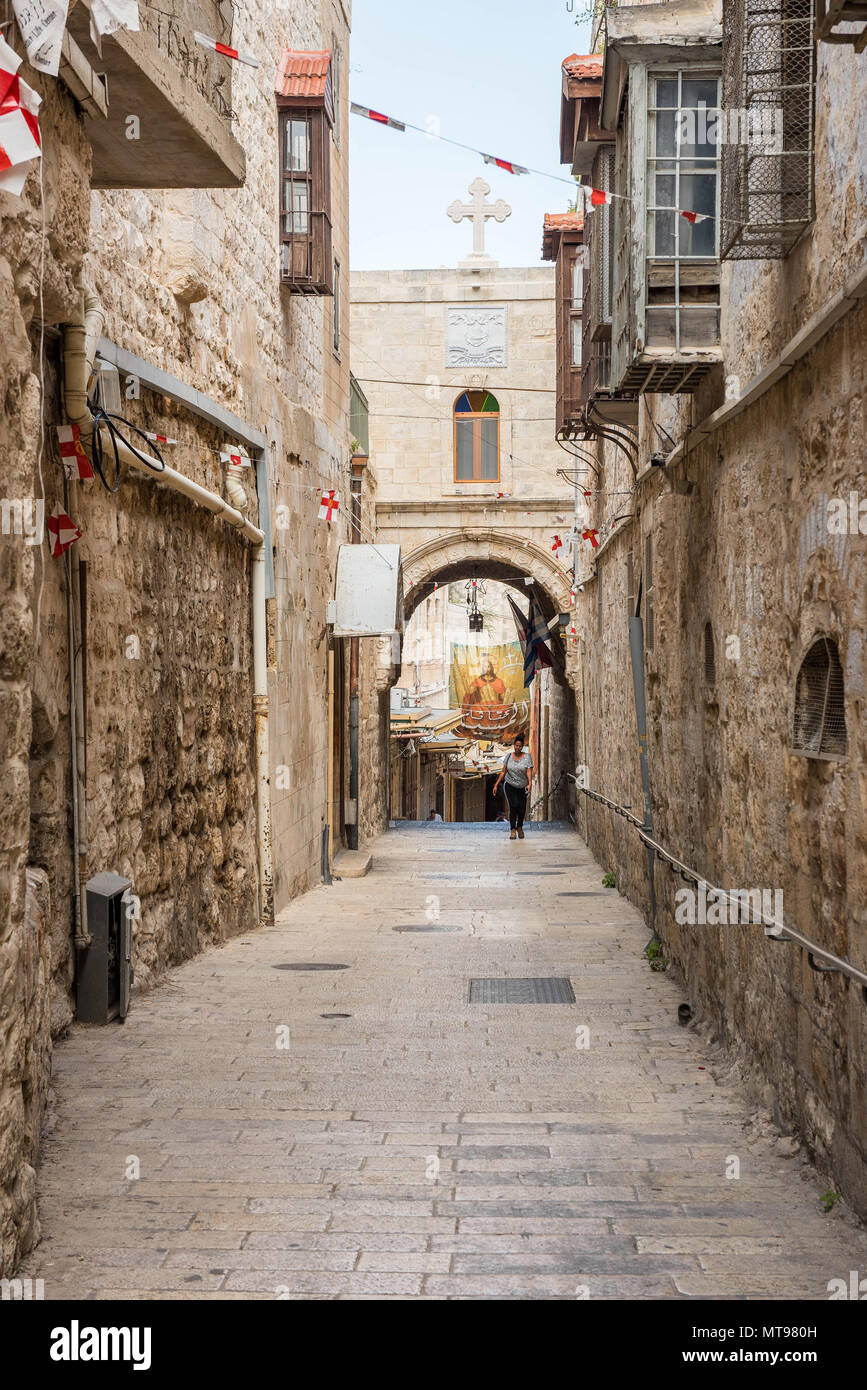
[105, 966]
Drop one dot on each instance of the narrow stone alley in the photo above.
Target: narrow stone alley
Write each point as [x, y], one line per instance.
[317, 1110]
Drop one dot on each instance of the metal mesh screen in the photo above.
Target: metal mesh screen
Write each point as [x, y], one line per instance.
[769, 73]
[709, 656]
[601, 218]
[820, 717]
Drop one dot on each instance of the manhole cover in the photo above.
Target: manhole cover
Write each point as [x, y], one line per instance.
[317, 965]
[335, 1015]
[431, 928]
[550, 990]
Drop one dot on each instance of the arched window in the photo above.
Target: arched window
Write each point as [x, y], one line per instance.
[820, 718]
[709, 656]
[477, 438]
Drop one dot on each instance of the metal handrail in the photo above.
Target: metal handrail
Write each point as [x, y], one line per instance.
[774, 929]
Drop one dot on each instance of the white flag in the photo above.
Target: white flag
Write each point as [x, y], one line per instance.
[42, 23]
[107, 16]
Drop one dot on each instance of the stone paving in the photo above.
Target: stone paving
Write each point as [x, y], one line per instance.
[407, 1144]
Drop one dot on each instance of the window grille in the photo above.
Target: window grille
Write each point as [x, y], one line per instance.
[709, 656]
[600, 226]
[769, 75]
[819, 726]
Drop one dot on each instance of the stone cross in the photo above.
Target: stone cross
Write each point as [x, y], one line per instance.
[479, 211]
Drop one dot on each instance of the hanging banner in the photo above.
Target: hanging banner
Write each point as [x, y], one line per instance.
[42, 23]
[487, 685]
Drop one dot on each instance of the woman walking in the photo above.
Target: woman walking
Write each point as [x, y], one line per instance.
[518, 772]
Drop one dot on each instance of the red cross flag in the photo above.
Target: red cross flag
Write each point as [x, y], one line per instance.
[223, 48]
[328, 505]
[572, 593]
[158, 438]
[558, 544]
[598, 197]
[234, 458]
[75, 462]
[506, 164]
[63, 532]
[695, 216]
[590, 536]
[376, 116]
[19, 123]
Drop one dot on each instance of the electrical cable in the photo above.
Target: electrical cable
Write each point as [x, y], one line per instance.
[658, 427]
[102, 417]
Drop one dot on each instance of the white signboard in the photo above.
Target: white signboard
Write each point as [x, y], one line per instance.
[476, 335]
[368, 593]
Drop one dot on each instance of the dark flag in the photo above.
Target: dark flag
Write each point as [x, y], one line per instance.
[532, 632]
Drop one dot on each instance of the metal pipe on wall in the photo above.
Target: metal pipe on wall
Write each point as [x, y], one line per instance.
[329, 817]
[354, 654]
[79, 349]
[636, 652]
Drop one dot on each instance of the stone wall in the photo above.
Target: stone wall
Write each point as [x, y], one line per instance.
[739, 539]
[190, 283]
[34, 902]
[268, 356]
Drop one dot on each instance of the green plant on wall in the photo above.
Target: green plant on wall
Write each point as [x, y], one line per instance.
[655, 957]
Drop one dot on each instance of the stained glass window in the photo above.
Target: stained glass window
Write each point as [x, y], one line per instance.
[477, 438]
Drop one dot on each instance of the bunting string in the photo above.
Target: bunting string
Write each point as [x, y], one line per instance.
[591, 197]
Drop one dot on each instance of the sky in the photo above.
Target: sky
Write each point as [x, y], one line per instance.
[489, 71]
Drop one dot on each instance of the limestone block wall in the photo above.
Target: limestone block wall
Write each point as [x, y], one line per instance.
[376, 674]
[190, 282]
[233, 332]
[740, 540]
[34, 911]
[399, 356]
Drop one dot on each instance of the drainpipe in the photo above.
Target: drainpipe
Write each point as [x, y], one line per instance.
[79, 348]
[636, 651]
[263, 753]
[355, 494]
[79, 340]
[329, 814]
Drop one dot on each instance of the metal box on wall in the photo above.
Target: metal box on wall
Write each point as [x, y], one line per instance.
[104, 968]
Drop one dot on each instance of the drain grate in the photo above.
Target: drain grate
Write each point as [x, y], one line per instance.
[585, 895]
[317, 965]
[335, 1015]
[425, 928]
[551, 990]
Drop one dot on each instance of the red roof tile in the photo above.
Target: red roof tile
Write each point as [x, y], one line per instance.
[555, 224]
[564, 221]
[301, 74]
[583, 65]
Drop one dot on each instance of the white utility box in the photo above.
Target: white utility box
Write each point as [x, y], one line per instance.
[368, 592]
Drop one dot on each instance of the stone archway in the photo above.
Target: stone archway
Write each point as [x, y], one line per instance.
[492, 555]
